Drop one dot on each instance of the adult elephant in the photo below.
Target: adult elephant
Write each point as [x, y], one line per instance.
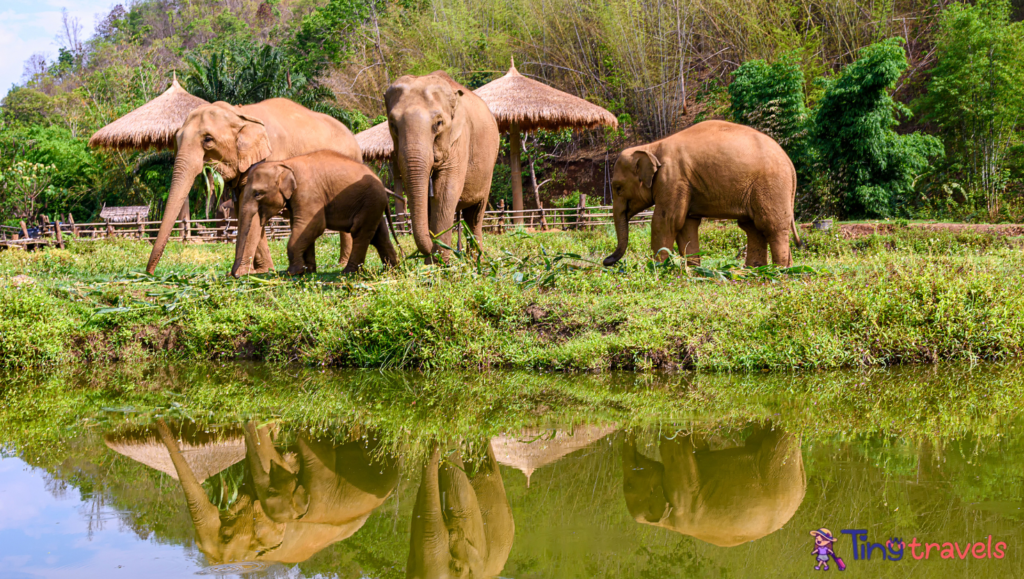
[461, 522]
[713, 169]
[320, 481]
[233, 138]
[724, 497]
[447, 138]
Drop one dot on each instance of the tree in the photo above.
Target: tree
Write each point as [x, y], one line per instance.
[770, 98]
[26, 106]
[974, 94]
[326, 35]
[853, 138]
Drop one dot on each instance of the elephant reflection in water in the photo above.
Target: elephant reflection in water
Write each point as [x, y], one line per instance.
[462, 524]
[290, 506]
[723, 497]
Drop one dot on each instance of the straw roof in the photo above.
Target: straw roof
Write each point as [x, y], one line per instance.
[534, 448]
[125, 214]
[151, 125]
[514, 98]
[206, 454]
[375, 142]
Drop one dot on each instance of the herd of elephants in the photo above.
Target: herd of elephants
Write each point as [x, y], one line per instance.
[279, 157]
[301, 493]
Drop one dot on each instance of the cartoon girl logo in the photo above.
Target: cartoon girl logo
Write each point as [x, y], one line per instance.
[823, 541]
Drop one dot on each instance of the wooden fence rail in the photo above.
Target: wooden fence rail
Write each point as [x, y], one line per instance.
[498, 221]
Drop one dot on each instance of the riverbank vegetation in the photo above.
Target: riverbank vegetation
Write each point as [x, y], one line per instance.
[531, 301]
[907, 110]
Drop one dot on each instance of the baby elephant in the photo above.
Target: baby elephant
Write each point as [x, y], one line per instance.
[317, 191]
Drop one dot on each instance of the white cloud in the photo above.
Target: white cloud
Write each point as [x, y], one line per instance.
[31, 26]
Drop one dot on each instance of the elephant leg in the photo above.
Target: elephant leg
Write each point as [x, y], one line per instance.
[345, 247]
[262, 262]
[474, 218]
[309, 256]
[689, 243]
[757, 244]
[361, 237]
[304, 234]
[663, 233]
[382, 242]
[779, 242]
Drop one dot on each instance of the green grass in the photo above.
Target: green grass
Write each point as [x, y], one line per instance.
[533, 301]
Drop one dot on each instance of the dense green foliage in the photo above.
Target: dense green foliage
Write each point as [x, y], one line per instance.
[974, 96]
[534, 301]
[826, 85]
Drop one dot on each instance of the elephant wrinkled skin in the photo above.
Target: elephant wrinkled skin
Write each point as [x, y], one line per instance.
[290, 506]
[446, 139]
[723, 497]
[320, 190]
[231, 139]
[713, 169]
[462, 524]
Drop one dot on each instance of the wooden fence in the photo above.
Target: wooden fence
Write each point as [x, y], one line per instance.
[54, 233]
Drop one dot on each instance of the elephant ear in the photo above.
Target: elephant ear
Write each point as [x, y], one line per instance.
[457, 125]
[646, 165]
[286, 182]
[252, 142]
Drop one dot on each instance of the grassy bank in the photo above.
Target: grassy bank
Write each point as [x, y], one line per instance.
[533, 301]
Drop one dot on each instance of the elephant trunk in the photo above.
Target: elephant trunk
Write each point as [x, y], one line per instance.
[415, 166]
[205, 516]
[620, 211]
[187, 166]
[250, 230]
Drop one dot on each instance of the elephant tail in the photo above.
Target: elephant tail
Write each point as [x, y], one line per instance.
[799, 243]
[391, 222]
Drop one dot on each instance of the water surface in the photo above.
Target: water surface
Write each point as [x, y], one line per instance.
[172, 473]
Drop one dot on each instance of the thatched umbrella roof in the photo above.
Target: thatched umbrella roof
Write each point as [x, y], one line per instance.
[523, 104]
[534, 448]
[154, 124]
[206, 454]
[517, 100]
[124, 214]
[375, 143]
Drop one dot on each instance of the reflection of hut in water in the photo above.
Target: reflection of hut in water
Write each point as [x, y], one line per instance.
[207, 453]
[534, 447]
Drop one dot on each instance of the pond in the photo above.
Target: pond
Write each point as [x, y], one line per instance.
[249, 471]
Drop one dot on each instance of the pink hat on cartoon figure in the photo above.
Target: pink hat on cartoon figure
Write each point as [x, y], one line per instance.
[824, 534]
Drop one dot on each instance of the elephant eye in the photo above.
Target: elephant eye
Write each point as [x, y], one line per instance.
[207, 139]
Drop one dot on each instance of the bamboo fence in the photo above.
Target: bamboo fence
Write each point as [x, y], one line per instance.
[500, 220]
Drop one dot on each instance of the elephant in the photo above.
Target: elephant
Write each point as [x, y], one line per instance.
[446, 142]
[462, 523]
[723, 497]
[344, 486]
[319, 190]
[713, 169]
[232, 139]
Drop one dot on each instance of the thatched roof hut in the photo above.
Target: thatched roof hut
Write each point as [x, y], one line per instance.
[534, 448]
[206, 453]
[518, 101]
[125, 214]
[523, 104]
[375, 143]
[154, 124]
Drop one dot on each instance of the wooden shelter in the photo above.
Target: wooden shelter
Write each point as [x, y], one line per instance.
[206, 453]
[126, 214]
[376, 145]
[522, 104]
[534, 448]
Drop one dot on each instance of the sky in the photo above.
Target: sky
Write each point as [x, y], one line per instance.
[31, 26]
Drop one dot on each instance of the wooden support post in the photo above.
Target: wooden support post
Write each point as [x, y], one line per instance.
[74, 228]
[110, 229]
[501, 216]
[581, 211]
[515, 147]
[60, 238]
[141, 227]
[24, 231]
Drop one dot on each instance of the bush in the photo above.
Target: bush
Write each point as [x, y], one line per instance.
[854, 140]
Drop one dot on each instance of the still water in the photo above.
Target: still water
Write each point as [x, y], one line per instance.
[132, 492]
